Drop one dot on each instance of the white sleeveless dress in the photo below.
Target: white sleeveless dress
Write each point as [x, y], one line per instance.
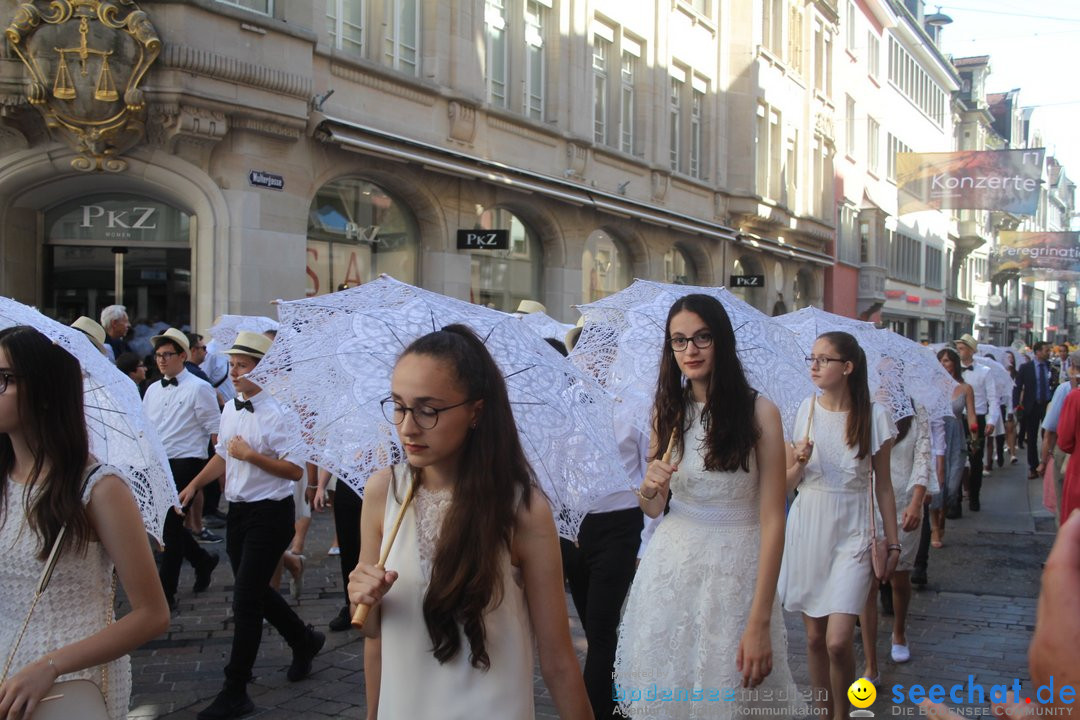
[414, 684]
[690, 602]
[77, 603]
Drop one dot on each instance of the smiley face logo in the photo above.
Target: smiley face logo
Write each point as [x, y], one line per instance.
[862, 693]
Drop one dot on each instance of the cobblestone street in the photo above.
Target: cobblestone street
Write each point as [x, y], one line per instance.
[974, 618]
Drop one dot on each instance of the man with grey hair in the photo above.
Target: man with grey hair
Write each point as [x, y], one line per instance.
[1050, 426]
[115, 321]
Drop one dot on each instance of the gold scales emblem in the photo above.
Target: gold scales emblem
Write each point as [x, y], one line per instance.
[86, 59]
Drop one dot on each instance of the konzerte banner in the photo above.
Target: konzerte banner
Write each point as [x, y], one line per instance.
[1043, 256]
[1006, 180]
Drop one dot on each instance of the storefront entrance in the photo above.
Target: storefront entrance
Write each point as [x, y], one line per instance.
[120, 249]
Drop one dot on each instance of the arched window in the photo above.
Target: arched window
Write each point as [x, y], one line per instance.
[804, 289]
[679, 268]
[502, 278]
[749, 265]
[357, 231]
[605, 267]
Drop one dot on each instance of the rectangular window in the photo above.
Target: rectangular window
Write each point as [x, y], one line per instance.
[905, 255]
[828, 64]
[791, 172]
[775, 151]
[934, 277]
[873, 142]
[402, 35]
[915, 83]
[345, 24]
[266, 7]
[495, 51]
[761, 152]
[697, 102]
[772, 26]
[850, 25]
[535, 72]
[894, 147]
[819, 57]
[873, 54]
[849, 126]
[847, 234]
[675, 91]
[631, 51]
[601, 51]
[795, 39]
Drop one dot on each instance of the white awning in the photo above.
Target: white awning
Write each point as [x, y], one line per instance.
[379, 143]
[775, 247]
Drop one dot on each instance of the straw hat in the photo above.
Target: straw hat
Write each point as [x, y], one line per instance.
[93, 330]
[175, 336]
[250, 343]
[527, 307]
[968, 340]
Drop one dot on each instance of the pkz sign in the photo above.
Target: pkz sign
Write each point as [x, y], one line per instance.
[270, 181]
[483, 239]
[747, 281]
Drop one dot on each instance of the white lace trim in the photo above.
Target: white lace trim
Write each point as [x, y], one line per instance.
[430, 507]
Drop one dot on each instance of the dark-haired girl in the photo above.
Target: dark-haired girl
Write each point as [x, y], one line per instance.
[49, 481]
[475, 570]
[826, 572]
[957, 431]
[702, 612]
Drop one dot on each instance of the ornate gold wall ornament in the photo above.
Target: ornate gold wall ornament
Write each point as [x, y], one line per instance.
[86, 59]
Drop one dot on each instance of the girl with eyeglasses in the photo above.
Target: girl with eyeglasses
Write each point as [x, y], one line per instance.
[49, 482]
[475, 570]
[702, 611]
[827, 571]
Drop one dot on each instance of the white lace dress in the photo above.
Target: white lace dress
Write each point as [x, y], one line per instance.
[910, 464]
[414, 684]
[690, 601]
[827, 567]
[77, 603]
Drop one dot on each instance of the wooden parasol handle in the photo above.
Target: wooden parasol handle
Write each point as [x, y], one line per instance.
[670, 446]
[360, 616]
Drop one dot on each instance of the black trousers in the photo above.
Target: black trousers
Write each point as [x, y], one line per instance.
[975, 457]
[212, 492]
[599, 570]
[258, 533]
[179, 544]
[347, 508]
[1033, 417]
[922, 557]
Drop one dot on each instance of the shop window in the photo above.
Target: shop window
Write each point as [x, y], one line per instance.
[605, 267]
[501, 279]
[804, 289]
[678, 268]
[357, 231]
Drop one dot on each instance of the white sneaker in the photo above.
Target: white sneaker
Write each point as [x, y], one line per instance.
[900, 653]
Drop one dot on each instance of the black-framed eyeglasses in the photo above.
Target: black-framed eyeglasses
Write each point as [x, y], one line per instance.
[822, 360]
[165, 355]
[701, 341]
[426, 417]
[5, 378]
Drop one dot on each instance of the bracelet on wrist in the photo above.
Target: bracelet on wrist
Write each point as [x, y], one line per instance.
[895, 546]
[643, 496]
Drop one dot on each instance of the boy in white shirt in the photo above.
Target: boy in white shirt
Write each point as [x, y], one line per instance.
[259, 487]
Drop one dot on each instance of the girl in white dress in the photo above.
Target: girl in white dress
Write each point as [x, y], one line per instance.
[44, 486]
[475, 570]
[826, 571]
[702, 635]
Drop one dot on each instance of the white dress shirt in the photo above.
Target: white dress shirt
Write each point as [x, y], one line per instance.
[185, 415]
[978, 377]
[268, 433]
[216, 367]
[633, 447]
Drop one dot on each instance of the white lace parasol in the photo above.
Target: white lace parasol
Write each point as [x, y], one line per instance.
[623, 337]
[120, 433]
[330, 369]
[545, 326]
[897, 368]
[1003, 381]
[227, 327]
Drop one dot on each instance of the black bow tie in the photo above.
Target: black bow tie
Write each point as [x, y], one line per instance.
[243, 405]
[166, 382]
[965, 369]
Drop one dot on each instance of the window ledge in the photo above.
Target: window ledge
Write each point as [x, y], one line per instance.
[695, 17]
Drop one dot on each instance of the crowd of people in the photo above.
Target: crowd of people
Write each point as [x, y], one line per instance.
[454, 554]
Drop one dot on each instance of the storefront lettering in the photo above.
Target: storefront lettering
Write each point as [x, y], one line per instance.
[314, 255]
[137, 218]
[364, 234]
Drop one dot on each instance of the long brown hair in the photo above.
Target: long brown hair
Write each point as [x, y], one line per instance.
[493, 477]
[730, 428]
[860, 416]
[50, 389]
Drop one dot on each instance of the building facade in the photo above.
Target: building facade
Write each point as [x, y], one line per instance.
[291, 147]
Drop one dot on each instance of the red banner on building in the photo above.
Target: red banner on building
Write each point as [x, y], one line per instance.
[1006, 180]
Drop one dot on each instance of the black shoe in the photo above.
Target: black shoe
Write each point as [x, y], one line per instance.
[918, 576]
[205, 574]
[207, 538]
[886, 599]
[303, 655]
[341, 621]
[228, 704]
[974, 505]
[954, 512]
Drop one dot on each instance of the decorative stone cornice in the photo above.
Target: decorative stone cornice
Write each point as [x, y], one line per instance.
[500, 123]
[462, 121]
[223, 67]
[380, 83]
[267, 127]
